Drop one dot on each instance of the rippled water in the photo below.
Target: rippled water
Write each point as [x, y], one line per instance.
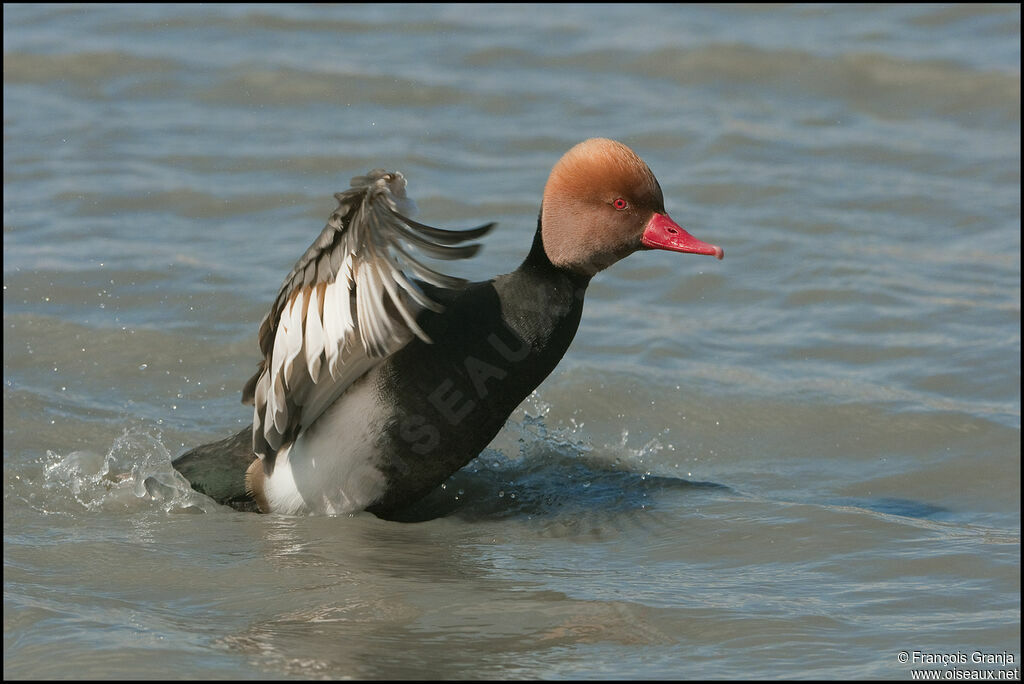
[796, 462]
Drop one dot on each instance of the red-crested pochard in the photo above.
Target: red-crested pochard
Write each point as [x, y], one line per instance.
[381, 377]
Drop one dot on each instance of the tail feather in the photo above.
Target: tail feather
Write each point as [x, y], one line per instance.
[218, 470]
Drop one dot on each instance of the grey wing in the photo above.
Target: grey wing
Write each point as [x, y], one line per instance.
[350, 302]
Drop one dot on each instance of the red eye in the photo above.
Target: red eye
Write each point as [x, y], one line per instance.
[620, 203]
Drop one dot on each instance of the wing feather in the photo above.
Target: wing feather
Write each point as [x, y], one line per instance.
[333, 327]
[314, 333]
[289, 338]
[350, 301]
[408, 317]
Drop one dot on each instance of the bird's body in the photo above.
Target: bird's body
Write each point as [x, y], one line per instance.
[373, 411]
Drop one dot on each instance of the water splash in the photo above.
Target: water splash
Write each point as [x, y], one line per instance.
[557, 470]
[135, 474]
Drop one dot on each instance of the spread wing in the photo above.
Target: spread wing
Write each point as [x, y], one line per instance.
[350, 302]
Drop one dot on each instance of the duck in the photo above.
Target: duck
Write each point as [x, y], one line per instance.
[381, 376]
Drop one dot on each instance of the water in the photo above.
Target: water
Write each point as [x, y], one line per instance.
[796, 462]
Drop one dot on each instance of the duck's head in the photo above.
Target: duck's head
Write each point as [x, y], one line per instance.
[602, 203]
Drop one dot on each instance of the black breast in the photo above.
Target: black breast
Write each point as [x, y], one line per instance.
[492, 345]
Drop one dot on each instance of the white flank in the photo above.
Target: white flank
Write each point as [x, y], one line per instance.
[331, 468]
